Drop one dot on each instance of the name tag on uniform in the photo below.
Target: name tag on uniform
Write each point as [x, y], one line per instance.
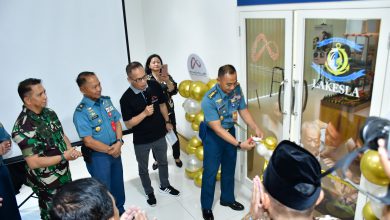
[109, 108]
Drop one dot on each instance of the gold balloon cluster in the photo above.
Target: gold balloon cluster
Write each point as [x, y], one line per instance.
[372, 169]
[194, 146]
[194, 90]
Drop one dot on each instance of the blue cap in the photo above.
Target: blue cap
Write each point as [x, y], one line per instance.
[293, 176]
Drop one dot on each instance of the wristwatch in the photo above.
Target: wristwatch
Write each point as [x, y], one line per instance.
[120, 140]
[239, 145]
[168, 122]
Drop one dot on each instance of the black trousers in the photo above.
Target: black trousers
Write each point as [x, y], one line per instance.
[9, 209]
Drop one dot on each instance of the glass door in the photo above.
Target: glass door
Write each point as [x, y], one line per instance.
[267, 39]
[340, 62]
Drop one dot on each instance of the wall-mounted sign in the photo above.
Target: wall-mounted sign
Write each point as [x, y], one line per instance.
[336, 67]
[260, 45]
[268, 2]
[197, 69]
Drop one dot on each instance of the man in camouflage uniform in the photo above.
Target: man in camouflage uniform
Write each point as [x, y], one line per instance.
[45, 147]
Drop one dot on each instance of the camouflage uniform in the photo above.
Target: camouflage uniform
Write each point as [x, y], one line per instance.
[42, 135]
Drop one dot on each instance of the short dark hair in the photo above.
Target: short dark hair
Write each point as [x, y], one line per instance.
[226, 69]
[82, 77]
[131, 66]
[147, 69]
[25, 86]
[85, 199]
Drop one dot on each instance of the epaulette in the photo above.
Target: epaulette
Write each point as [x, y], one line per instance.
[105, 97]
[80, 107]
[212, 94]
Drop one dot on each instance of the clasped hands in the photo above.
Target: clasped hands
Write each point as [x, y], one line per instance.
[115, 149]
[72, 154]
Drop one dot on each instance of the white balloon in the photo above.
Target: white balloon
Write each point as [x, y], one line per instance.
[193, 164]
[262, 150]
[191, 106]
[377, 209]
[372, 188]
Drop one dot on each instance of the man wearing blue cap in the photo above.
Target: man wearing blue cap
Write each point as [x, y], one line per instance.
[291, 185]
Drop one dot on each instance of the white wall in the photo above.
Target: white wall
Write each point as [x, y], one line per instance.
[135, 29]
[54, 41]
[174, 29]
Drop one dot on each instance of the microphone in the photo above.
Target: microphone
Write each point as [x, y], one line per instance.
[148, 96]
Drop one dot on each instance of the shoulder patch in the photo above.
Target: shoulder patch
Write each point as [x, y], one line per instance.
[80, 107]
[212, 94]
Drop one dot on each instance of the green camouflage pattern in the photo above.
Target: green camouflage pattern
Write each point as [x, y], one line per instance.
[42, 135]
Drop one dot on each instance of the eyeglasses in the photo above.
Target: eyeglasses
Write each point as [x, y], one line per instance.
[138, 80]
[228, 85]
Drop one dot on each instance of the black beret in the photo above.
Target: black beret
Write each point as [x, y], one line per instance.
[293, 176]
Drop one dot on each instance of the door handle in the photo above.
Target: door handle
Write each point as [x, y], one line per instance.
[305, 96]
[281, 89]
[293, 86]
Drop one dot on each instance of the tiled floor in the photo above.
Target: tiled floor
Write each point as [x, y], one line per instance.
[186, 206]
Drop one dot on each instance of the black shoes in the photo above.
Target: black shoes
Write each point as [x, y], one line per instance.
[151, 199]
[235, 205]
[155, 166]
[178, 163]
[169, 191]
[207, 214]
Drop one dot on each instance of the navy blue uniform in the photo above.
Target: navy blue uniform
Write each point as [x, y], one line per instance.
[9, 208]
[218, 105]
[98, 119]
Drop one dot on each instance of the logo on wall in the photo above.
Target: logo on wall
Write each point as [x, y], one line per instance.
[196, 68]
[336, 66]
[260, 44]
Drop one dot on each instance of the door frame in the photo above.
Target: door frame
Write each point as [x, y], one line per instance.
[379, 106]
[287, 15]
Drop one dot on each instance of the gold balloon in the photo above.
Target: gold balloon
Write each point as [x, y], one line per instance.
[195, 141]
[199, 153]
[198, 178]
[194, 126]
[372, 169]
[191, 173]
[368, 214]
[190, 117]
[218, 177]
[199, 118]
[270, 143]
[212, 83]
[184, 88]
[197, 90]
[190, 149]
